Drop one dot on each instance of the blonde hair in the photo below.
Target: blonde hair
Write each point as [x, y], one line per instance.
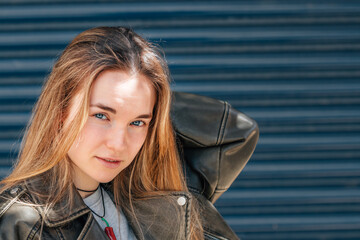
[156, 168]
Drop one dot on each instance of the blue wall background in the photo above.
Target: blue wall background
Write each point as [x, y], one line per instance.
[294, 66]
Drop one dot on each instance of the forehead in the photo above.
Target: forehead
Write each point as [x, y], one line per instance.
[119, 90]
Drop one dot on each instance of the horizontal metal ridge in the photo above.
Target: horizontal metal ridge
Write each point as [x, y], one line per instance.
[205, 48]
[247, 7]
[309, 167]
[176, 22]
[211, 61]
[250, 196]
[332, 179]
[237, 34]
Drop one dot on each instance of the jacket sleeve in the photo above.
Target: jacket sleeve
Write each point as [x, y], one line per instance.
[215, 141]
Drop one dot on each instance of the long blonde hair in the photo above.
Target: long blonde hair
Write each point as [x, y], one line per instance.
[156, 168]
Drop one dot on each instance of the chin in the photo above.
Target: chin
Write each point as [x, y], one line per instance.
[106, 179]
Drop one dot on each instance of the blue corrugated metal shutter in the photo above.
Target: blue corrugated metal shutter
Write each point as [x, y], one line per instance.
[294, 66]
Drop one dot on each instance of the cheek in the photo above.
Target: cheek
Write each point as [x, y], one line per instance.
[91, 132]
[89, 136]
[136, 141]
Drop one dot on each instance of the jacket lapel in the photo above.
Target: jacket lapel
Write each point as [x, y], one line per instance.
[92, 230]
[62, 213]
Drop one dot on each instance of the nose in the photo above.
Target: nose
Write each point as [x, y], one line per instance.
[116, 139]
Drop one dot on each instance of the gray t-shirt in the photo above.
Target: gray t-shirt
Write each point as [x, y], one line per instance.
[113, 216]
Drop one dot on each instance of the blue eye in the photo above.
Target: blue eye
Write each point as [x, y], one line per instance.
[138, 123]
[100, 116]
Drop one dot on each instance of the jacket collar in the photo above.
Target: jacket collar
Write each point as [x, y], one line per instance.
[155, 217]
[61, 212]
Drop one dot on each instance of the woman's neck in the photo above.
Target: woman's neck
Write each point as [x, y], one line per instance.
[86, 192]
[85, 183]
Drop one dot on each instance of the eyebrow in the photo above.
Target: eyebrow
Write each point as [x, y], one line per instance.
[103, 107]
[112, 110]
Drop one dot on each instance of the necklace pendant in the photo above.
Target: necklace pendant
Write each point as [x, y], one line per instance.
[109, 230]
[110, 233]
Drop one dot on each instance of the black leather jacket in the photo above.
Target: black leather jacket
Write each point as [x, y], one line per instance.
[215, 142]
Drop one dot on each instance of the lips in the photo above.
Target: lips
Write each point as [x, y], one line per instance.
[109, 162]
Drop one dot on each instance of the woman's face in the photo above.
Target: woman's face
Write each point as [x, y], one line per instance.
[120, 112]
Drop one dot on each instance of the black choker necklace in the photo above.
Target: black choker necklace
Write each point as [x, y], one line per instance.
[81, 190]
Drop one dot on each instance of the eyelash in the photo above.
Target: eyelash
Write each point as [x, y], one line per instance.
[141, 123]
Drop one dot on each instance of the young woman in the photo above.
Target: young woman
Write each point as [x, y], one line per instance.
[99, 159]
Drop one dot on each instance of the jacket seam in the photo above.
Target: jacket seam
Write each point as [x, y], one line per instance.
[69, 219]
[191, 139]
[187, 224]
[224, 118]
[86, 227]
[60, 235]
[218, 172]
[220, 140]
[34, 230]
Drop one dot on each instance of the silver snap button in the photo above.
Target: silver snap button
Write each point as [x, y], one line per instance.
[181, 201]
[14, 191]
